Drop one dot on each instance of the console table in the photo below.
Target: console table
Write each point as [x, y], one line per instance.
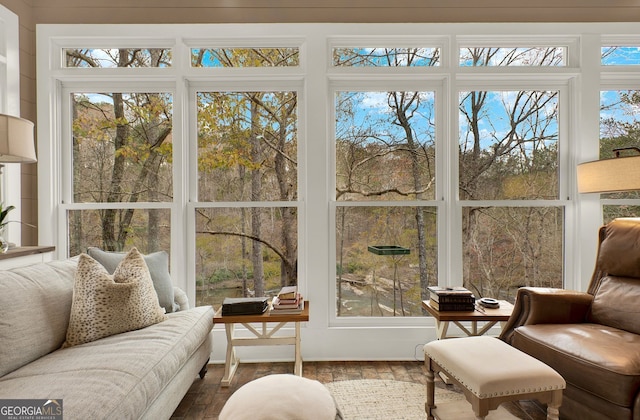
[263, 336]
[490, 316]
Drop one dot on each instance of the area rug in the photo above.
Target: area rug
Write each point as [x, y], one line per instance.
[373, 399]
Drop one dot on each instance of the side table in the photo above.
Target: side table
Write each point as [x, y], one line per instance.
[263, 336]
[490, 316]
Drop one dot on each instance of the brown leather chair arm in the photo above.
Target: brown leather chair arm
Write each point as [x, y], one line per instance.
[538, 305]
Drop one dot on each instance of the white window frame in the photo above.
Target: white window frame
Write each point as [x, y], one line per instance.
[324, 336]
[11, 178]
[619, 78]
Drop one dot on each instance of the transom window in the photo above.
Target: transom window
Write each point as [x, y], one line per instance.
[117, 57]
[513, 56]
[245, 57]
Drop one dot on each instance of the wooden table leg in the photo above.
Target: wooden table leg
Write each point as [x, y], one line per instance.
[231, 360]
[297, 369]
[553, 408]
[441, 329]
[430, 404]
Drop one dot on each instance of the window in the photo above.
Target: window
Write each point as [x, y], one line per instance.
[248, 159]
[385, 158]
[245, 57]
[363, 163]
[620, 127]
[121, 153]
[508, 157]
[620, 55]
[117, 57]
[518, 56]
[386, 57]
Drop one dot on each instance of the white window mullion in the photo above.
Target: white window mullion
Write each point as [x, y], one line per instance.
[451, 268]
[318, 187]
[589, 210]
[180, 257]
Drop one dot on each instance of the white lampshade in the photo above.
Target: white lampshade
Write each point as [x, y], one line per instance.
[609, 175]
[16, 140]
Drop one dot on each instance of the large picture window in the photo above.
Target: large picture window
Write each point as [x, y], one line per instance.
[509, 154]
[247, 155]
[122, 153]
[362, 163]
[385, 153]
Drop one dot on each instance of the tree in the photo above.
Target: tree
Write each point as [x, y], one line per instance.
[367, 146]
[251, 134]
[122, 143]
[508, 150]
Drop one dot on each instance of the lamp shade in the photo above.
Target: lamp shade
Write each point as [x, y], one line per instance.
[609, 175]
[16, 140]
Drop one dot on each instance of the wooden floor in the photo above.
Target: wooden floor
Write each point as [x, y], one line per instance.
[206, 397]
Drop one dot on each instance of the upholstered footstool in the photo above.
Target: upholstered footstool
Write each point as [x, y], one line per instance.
[491, 372]
[281, 397]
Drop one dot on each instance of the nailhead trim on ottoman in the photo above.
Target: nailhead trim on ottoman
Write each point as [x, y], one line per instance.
[489, 370]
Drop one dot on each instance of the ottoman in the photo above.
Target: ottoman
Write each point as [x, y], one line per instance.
[491, 372]
[281, 397]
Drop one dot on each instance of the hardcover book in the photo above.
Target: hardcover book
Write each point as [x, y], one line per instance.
[288, 292]
[281, 311]
[444, 307]
[278, 303]
[452, 295]
[244, 306]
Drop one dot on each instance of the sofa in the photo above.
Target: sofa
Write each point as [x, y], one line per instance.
[143, 373]
[591, 338]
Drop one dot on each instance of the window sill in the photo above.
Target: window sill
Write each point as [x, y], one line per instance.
[22, 251]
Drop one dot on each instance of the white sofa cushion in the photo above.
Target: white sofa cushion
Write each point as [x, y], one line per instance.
[35, 302]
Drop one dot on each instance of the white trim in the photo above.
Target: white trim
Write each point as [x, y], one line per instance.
[10, 180]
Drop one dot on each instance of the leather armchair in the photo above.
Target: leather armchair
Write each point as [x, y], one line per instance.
[591, 338]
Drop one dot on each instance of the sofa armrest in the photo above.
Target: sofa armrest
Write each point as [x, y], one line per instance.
[538, 305]
[180, 298]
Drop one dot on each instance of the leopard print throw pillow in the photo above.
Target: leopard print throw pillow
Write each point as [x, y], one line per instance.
[105, 305]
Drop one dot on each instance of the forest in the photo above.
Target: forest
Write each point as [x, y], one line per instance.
[385, 148]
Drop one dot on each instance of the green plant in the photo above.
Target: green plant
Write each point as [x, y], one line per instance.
[4, 211]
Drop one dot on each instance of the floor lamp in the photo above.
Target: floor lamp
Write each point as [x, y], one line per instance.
[621, 173]
[16, 146]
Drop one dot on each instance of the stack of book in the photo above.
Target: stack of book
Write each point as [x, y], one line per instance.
[288, 301]
[451, 299]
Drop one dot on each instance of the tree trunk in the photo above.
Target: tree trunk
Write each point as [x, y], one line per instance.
[114, 195]
[256, 189]
[289, 275]
[76, 240]
[401, 105]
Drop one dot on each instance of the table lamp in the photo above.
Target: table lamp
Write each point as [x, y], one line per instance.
[16, 140]
[16, 146]
[621, 173]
